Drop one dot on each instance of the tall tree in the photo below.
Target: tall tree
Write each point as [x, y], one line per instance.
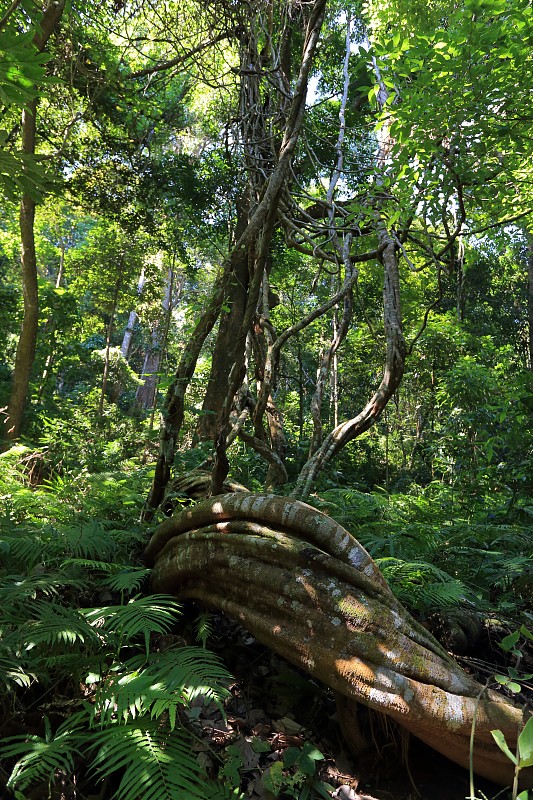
[51, 14]
[253, 243]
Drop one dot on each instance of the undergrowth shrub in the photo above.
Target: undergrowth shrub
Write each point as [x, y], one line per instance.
[438, 551]
[85, 652]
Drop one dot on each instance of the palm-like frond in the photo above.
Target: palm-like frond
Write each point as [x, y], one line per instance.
[90, 539]
[126, 579]
[41, 758]
[161, 684]
[156, 764]
[115, 576]
[422, 586]
[14, 670]
[204, 627]
[54, 624]
[140, 617]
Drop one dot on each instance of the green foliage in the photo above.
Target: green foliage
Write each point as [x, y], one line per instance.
[22, 73]
[454, 101]
[522, 759]
[295, 776]
[436, 558]
[119, 690]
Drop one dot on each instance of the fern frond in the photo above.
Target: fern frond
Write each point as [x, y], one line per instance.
[161, 684]
[221, 791]
[18, 592]
[156, 764]
[41, 758]
[13, 671]
[126, 579]
[204, 627]
[423, 586]
[54, 624]
[92, 565]
[91, 540]
[26, 547]
[116, 577]
[140, 617]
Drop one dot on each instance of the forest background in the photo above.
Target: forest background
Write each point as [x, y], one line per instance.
[288, 244]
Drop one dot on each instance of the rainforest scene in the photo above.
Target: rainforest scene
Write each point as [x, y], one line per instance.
[266, 400]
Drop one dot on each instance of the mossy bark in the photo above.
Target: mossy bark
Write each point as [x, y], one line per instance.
[305, 587]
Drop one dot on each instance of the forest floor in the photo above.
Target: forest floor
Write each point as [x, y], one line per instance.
[277, 715]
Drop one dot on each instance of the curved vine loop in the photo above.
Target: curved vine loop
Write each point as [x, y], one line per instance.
[305, 587]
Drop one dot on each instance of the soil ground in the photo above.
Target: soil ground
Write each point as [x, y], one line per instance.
[275, 706]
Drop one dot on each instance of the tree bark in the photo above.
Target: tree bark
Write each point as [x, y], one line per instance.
[306, 588]
[25, 354]
[225, 345]
[125, 347]
[145, 396]
[530, 298]
[392, 374]
[109, 332]
[174, 404]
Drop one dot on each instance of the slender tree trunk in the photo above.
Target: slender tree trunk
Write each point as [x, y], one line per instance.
[392, 375]
[224, 351]
[301, 390]
[108, 346]
[326, 362]
[174, 405]
[530, 297]
[52, 328]
[132, 321]
[146, 394]
[25, 354]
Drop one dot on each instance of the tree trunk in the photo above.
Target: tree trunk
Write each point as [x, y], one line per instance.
[25, 354]
[224, 352]
[174, 404]
[254, 244]
[530, 298]
[125, 347]
[325, 367]
[392, 375]
[108, 345]
[306, 588]
[146, 393]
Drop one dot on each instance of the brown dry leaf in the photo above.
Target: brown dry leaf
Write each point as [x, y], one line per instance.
[205, 763]
[250, 759]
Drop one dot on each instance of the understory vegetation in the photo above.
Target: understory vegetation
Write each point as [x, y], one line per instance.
[283, 247]
[97, 677]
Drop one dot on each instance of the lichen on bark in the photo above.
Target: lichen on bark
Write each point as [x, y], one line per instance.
[305, 587]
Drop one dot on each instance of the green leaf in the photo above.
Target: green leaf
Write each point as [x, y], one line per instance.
[526, 632]
[525, 745]
[508, 642]
[291, 756]
[312, 752]
[260, 746]
[306, 764]
[499, 738]
[273, 778]
[323, 789]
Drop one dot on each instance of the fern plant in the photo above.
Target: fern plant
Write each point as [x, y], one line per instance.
[436, 553]
[100, 666]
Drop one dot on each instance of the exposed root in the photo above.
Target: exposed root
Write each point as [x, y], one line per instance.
[305, 587]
